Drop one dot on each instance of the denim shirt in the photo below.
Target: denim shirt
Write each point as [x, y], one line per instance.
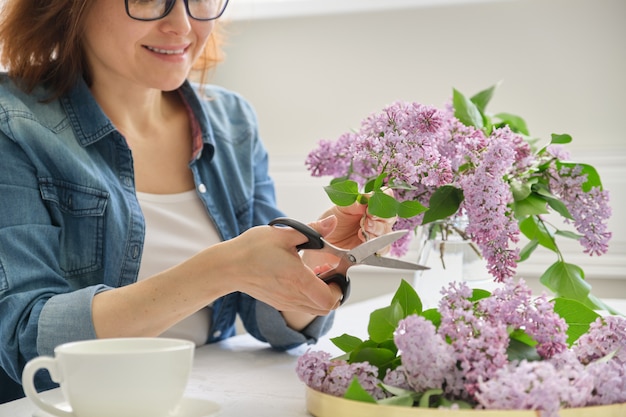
[71, 226]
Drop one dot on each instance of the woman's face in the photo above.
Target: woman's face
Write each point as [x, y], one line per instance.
[155, 54]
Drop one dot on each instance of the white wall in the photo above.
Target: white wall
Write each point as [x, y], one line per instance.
[562, 64]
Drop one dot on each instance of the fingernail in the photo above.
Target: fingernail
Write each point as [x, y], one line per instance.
[327, 221]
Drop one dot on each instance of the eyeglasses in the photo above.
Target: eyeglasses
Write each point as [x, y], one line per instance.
[158, 9]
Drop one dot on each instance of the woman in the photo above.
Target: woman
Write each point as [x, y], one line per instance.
[133, 203]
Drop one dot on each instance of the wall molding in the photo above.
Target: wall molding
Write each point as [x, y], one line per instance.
[271, 9]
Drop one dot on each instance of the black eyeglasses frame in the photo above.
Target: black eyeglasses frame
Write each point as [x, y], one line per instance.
[169, 8]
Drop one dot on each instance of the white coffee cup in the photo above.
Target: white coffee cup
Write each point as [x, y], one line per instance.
[124, 377]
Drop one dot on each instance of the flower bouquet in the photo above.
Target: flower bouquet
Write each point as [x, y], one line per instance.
[505, 350]
[462, 162]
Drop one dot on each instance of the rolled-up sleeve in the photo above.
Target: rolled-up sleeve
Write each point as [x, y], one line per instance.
[62, 319]
[272, 328]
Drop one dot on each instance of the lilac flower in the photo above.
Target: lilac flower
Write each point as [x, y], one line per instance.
[318, 371]
[479, 345]
[532, 386]
[590, 210]
[312, 369]
[514, 306]
[609, 382]
[487, 196]
[426, 357]
[340, 377]
[606, 335]
[397, 378]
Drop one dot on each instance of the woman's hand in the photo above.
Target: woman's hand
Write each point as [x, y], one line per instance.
[271, 270]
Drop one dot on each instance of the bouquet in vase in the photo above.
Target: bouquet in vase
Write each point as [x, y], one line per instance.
[460, 161]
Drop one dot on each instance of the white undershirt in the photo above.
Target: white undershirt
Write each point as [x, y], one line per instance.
[177, 227]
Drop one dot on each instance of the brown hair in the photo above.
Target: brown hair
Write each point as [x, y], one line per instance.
[41, 42]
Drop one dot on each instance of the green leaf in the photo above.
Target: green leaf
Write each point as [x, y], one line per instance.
[556, 204]
[369, 185]
[567, 281]
[479, 294]
[515, 123]
[410, 208]
[407, 298]
[396, 391]
[482, 98]
[518, 350]
[382, 205]
[577, 316]
[378, 182]
[427, 396]
[433, 315]
[527, 250]
[444, 202]
[384, 321]
[521, 336]
[357, 393]
[343, 193]
[534, 229]
[346, 342]
[568, 234]
[560, 139]
[466, 111]
[520, 190]
[405, 400]
[379, 357]
[530, 206]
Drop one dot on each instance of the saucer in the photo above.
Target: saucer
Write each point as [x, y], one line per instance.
[189, 407]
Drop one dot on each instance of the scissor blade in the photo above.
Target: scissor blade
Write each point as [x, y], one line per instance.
[385, 262]
[370, 247]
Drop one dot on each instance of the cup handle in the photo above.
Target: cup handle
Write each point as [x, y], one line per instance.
[28, 375]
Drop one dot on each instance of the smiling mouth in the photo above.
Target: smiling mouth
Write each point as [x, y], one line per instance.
[165, 51]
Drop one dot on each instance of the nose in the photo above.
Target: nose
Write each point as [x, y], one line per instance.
[177, 20]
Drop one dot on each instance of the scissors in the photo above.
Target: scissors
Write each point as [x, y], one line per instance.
[364, 254]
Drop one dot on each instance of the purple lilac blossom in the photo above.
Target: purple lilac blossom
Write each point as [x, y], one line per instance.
[590, 210]
[479, 345]
[313, 367]
[514, 306]
[606, 335]
[426, 357]
[527, 386]
[609, 382]
[340, 377]
[318, 371]
[491, 222]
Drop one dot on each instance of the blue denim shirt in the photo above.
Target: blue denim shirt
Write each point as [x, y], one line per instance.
[71, 226]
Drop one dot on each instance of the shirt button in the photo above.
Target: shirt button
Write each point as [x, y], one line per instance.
[217, 333]
[202, 188]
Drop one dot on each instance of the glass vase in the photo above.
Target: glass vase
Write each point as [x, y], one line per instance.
[445, 248]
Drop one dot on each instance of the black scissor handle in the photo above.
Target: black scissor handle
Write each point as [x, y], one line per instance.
[344, 283]
[315, 239]
[315, 242]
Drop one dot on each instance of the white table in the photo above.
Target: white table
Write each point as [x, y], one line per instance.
[246, 378]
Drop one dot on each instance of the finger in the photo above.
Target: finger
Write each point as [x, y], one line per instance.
[325, 226]
[374, 226]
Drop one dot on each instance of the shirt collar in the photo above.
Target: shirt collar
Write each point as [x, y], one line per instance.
[91, 124]
[85, 115]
